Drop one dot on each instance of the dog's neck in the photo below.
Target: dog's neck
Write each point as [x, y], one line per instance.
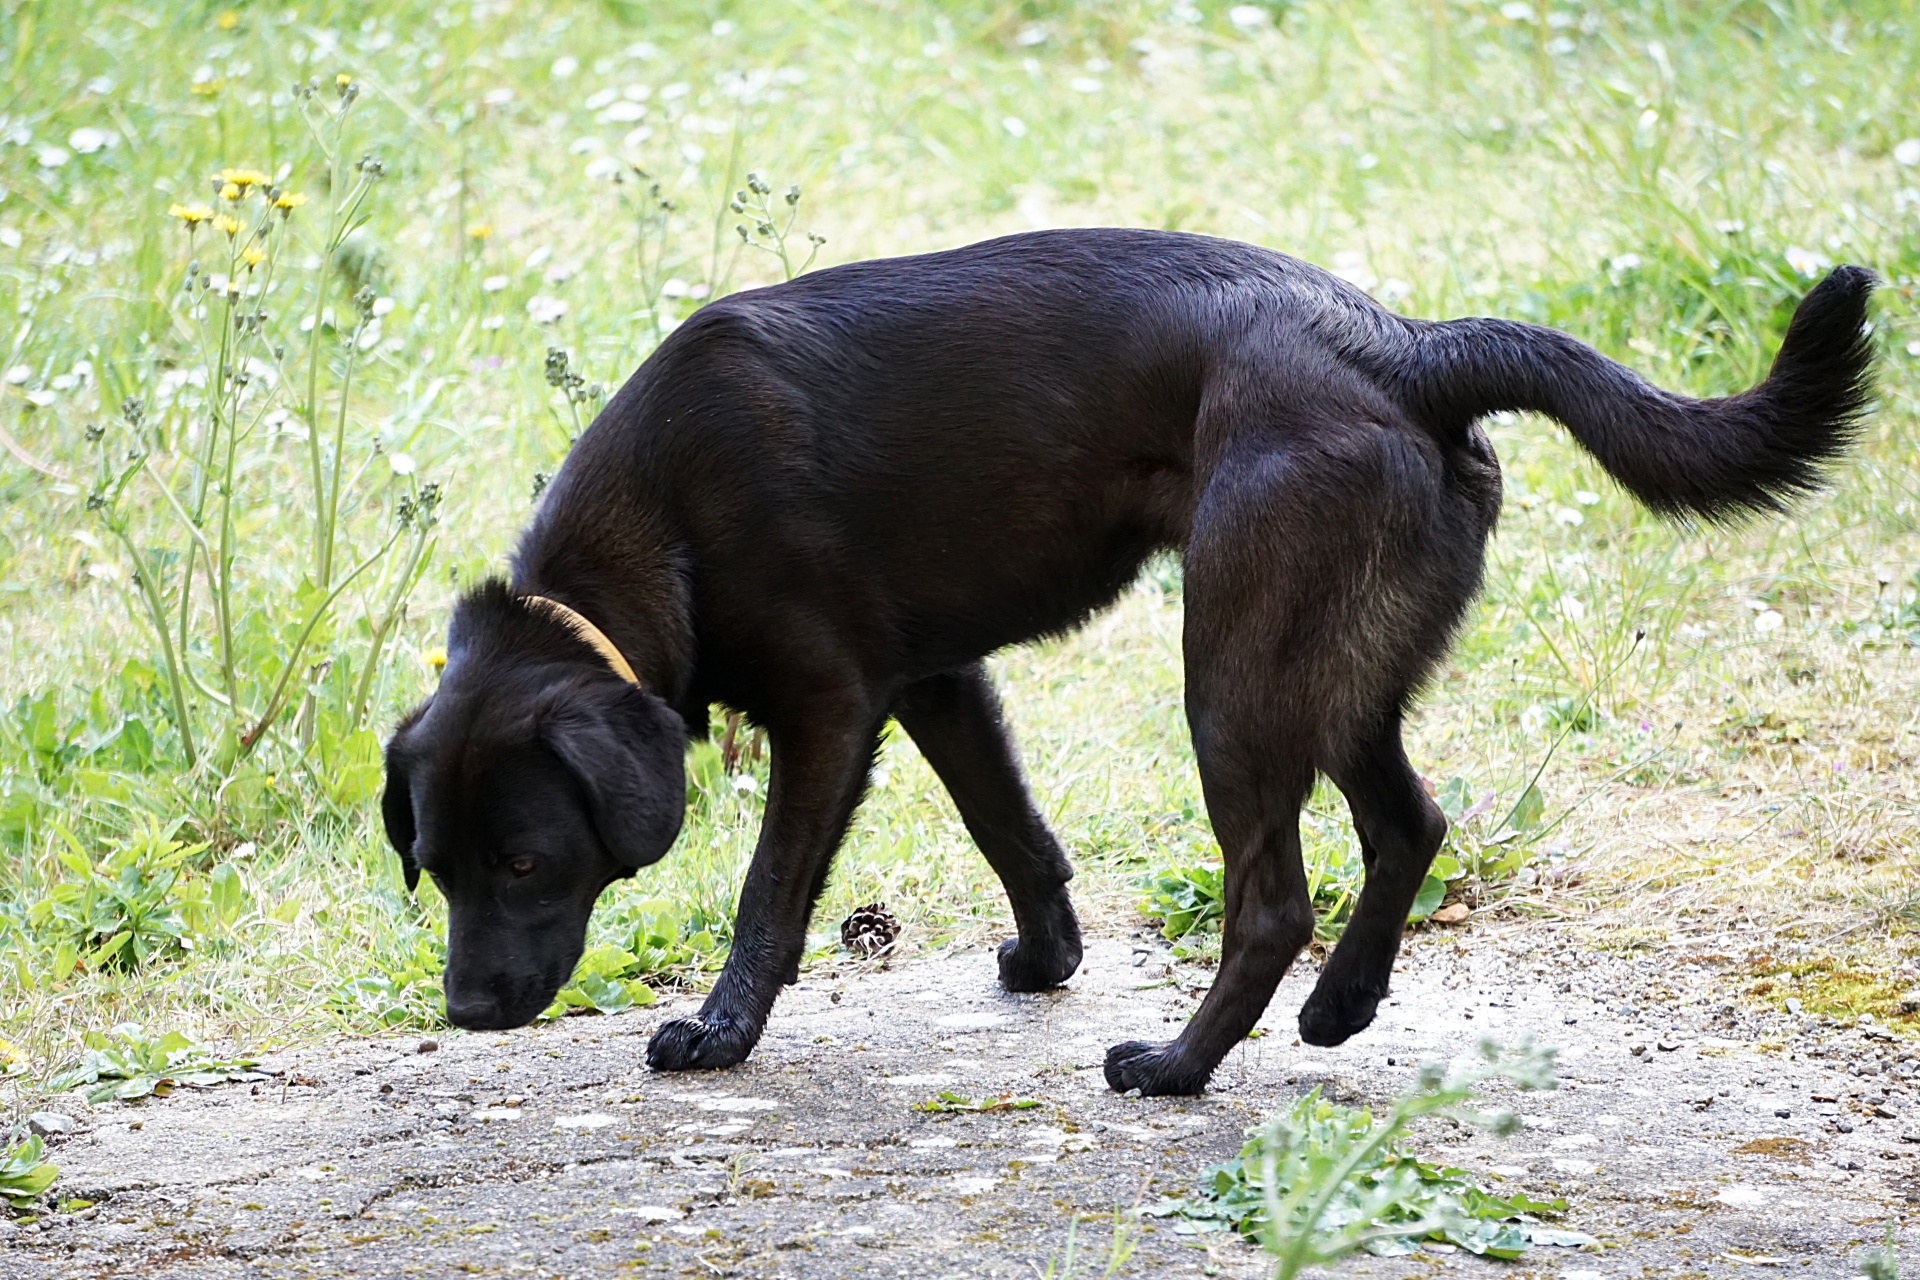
[619, 569]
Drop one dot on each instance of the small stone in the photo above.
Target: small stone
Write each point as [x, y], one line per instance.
[1910, 1002]
[136, 1125]
[1668, 1046]
[1702, 1102]
[1793, 1005]
[426, 1046]
[386, 1086]
[1910, 1135]
[1637, 1050]
[513, 1100]
[1841, 1126]
[1783, 1113]
[50, 1124]
[1885, 1112]
[1452, 913]
[1569, 1020]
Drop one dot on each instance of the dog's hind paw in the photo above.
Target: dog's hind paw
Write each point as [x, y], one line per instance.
[697, 1044]
[1156, 1070]
[1025, 966]
[1326, 1021]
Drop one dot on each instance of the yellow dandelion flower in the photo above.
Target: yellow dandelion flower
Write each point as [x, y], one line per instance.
[342, 80]
[480, 231]
[227, 20]
[10, 1054]
[231, 191]
[191, 214]
[244, 178]
[253, 255]
[230, 225]
[289, 200]
[435, 658]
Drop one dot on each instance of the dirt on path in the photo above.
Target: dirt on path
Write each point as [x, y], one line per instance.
[1693, 1137]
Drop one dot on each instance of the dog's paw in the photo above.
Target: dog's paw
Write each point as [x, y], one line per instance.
[1328, 1020]
[1029, 965]
[1154, 1069]
[698, 1044]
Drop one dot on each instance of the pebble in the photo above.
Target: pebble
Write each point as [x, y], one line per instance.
[427, 1046]
[1783, 1113]
[50, 1124]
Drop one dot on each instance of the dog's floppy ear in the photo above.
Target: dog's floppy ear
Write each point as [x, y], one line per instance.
[627, 749]
[396, 801]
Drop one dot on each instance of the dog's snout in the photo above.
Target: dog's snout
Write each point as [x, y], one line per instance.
[473, 1010]
[478, 1004]
[494, 1002]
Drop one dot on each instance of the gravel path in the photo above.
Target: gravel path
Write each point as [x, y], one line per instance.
[1693, 1137]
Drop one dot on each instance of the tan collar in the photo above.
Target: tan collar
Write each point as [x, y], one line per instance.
[588, 634]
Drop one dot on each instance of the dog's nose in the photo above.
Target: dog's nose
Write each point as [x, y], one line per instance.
[476, 1006]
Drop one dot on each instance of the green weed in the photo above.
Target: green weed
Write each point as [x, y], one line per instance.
[1882, 1263]
[404, 992]
[126, 1063]
[24, 1176]
[144, 900]
[947, 1101]
[1320, 1180]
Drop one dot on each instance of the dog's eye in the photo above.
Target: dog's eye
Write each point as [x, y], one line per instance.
[521, 866]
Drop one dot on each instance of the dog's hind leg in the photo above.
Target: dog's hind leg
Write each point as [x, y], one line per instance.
[954, 718]
[1260, 569]
[1256, 777]
[1400, 830]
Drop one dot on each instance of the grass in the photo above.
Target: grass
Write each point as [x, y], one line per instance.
[1733, 708]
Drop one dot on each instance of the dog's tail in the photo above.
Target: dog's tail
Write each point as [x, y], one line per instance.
[1718, 459]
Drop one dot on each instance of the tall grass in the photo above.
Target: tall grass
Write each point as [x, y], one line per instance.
[1660, 178]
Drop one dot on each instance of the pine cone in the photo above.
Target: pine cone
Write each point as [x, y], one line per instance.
[869, 930]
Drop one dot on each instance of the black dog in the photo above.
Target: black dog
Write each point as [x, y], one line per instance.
[824, 502]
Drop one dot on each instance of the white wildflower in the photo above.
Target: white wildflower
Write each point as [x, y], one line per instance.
[1805, 261]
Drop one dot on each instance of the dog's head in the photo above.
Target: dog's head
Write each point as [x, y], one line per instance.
[524, 786]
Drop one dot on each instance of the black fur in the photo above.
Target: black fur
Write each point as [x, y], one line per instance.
[825, 502]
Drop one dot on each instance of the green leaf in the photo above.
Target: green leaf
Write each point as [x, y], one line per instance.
[1433, 890]
[1528, 810]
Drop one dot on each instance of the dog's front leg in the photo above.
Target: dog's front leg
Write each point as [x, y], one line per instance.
[817, 775]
